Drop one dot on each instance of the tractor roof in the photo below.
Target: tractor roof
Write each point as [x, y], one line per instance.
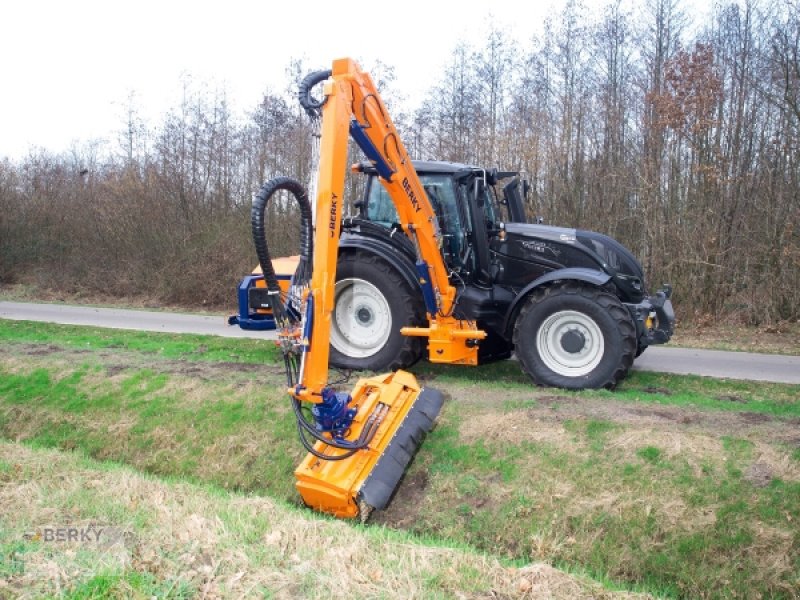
[424, 166]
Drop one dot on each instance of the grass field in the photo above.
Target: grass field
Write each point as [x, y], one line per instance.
[673, 486]
[180, 540]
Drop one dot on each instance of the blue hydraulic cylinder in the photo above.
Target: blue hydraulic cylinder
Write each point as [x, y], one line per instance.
[308, 326]
[369, 149]
[423, 272]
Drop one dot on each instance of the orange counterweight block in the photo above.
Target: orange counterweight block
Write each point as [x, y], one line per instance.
[403, 413]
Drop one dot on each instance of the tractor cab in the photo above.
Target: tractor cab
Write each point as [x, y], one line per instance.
[469, 205]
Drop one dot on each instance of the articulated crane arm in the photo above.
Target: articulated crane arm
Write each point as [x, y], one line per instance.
[360, 443]
[352, 104]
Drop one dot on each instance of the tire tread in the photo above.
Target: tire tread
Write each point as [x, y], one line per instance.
[608, 302]
[411, 349]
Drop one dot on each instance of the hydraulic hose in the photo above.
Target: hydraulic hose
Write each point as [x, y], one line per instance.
[367, 433]
[311, 105]
[303, 272]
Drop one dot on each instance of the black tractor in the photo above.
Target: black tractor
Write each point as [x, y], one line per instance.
[572, 305]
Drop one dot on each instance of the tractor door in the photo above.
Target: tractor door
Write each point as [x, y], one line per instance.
[483, 222]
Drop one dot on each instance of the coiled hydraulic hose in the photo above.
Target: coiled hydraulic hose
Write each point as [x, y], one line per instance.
[311, 105]
[301, 277]
[302, 274]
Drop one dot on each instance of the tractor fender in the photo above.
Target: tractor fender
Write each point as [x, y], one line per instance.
[591, 276]
[386, 252]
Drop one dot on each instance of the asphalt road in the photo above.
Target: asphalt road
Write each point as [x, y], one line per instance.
[665, 359]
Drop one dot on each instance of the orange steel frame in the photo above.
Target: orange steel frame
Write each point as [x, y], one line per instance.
[332, 486]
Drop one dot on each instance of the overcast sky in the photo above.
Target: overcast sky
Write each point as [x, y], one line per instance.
[69, 67]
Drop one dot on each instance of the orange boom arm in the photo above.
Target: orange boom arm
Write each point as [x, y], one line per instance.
[362, 441]
[352, 105]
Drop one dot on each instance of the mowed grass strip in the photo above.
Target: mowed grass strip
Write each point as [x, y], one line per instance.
[684, 510]
[684, 487]
[177, 540]
[164, 345]
[505, 380]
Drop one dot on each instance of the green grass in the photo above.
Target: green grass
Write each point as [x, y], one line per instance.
[707, 393]
[641, 387]
[164, 345]
[633, 536]
[594, 493]
[163, 432]
[130, 584]
[649, 453]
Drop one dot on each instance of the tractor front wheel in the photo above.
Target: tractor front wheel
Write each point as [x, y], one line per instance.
[574, 336]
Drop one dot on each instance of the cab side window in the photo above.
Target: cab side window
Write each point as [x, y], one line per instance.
[442, 194]
[380, 207]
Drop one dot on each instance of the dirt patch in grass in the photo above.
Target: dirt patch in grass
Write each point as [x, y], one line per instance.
[525, 425]
[37, 349]
[406, 503]
[113, 370]
[205, 371]
[14, 357]
[215, 370]
[540, 422]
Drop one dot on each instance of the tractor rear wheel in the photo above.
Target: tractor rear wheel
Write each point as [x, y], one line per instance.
[574, 336]
[372, 301]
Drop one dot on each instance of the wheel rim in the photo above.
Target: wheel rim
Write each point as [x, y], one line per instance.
[362, 320]
[570, 343]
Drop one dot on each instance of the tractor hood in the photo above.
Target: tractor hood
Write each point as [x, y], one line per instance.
[560, 247]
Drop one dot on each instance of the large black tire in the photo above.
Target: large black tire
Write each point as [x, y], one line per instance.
[574, 336]
[372, 302]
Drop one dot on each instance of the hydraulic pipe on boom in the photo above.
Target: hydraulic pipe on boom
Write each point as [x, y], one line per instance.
[363, 441]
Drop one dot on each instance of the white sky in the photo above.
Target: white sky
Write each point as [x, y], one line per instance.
[69, 67]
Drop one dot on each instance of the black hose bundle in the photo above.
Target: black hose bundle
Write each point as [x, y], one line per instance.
[302, 274]
[304, 427]
[311, 105]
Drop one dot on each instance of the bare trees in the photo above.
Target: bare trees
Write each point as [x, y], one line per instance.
[684, 146]
[166, 217]
[611, 129]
